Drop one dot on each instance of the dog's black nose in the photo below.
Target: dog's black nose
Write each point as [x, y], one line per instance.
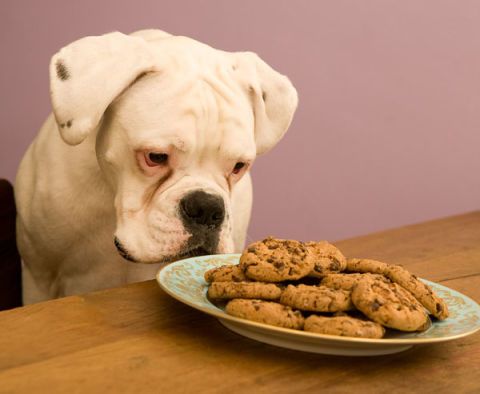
[202, 208]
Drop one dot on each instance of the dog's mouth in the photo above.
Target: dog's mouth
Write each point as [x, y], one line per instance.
[122, 251]
[188, 251]
[200, 251]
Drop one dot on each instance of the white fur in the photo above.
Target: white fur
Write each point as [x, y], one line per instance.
[114, 98]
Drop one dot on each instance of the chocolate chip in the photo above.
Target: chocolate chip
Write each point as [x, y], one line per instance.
[335, 265]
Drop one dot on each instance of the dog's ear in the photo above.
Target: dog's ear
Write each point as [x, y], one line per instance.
[87, 75]
[274, 99]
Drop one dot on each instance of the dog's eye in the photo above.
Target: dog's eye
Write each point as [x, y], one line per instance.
[155, 159]
[238, 167]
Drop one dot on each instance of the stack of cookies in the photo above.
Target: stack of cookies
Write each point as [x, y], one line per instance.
[312, 286]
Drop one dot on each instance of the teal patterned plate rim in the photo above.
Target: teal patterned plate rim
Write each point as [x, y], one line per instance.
[184, 281]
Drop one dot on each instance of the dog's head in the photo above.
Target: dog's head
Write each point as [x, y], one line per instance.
[177, 125]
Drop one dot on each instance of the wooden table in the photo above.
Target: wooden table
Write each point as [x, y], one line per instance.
[137, 339]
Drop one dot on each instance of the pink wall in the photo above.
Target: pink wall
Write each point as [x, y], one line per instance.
[388, 128]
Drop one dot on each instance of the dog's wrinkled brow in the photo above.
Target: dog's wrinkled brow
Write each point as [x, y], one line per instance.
[163, 144]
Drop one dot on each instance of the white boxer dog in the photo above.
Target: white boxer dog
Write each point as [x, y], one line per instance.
[145, 158]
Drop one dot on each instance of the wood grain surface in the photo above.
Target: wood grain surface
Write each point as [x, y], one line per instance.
[137, 339]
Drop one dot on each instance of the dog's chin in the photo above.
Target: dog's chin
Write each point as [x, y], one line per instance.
[199, 251]
[184, 254]
[192, 248]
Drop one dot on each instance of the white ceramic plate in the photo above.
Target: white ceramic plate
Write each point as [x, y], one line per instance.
[184, 281]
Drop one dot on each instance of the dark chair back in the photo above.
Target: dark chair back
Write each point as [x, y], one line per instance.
[10, 263]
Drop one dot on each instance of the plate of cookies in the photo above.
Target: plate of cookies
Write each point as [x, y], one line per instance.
[308, 296]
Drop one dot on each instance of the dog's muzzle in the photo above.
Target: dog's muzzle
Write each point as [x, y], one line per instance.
[202, 215]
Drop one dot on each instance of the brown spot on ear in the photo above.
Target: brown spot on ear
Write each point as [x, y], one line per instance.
[62, 125]
[62, 71]
[69, 123]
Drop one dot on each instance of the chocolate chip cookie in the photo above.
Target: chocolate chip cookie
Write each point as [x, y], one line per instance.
[266, 312]
[345, 326]
[229, 290]
[345, 281]
[389, 304]
[327, 258]
[225, 273]
[422, 292]
[316, 298]
[276, 260]
[366, 265]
